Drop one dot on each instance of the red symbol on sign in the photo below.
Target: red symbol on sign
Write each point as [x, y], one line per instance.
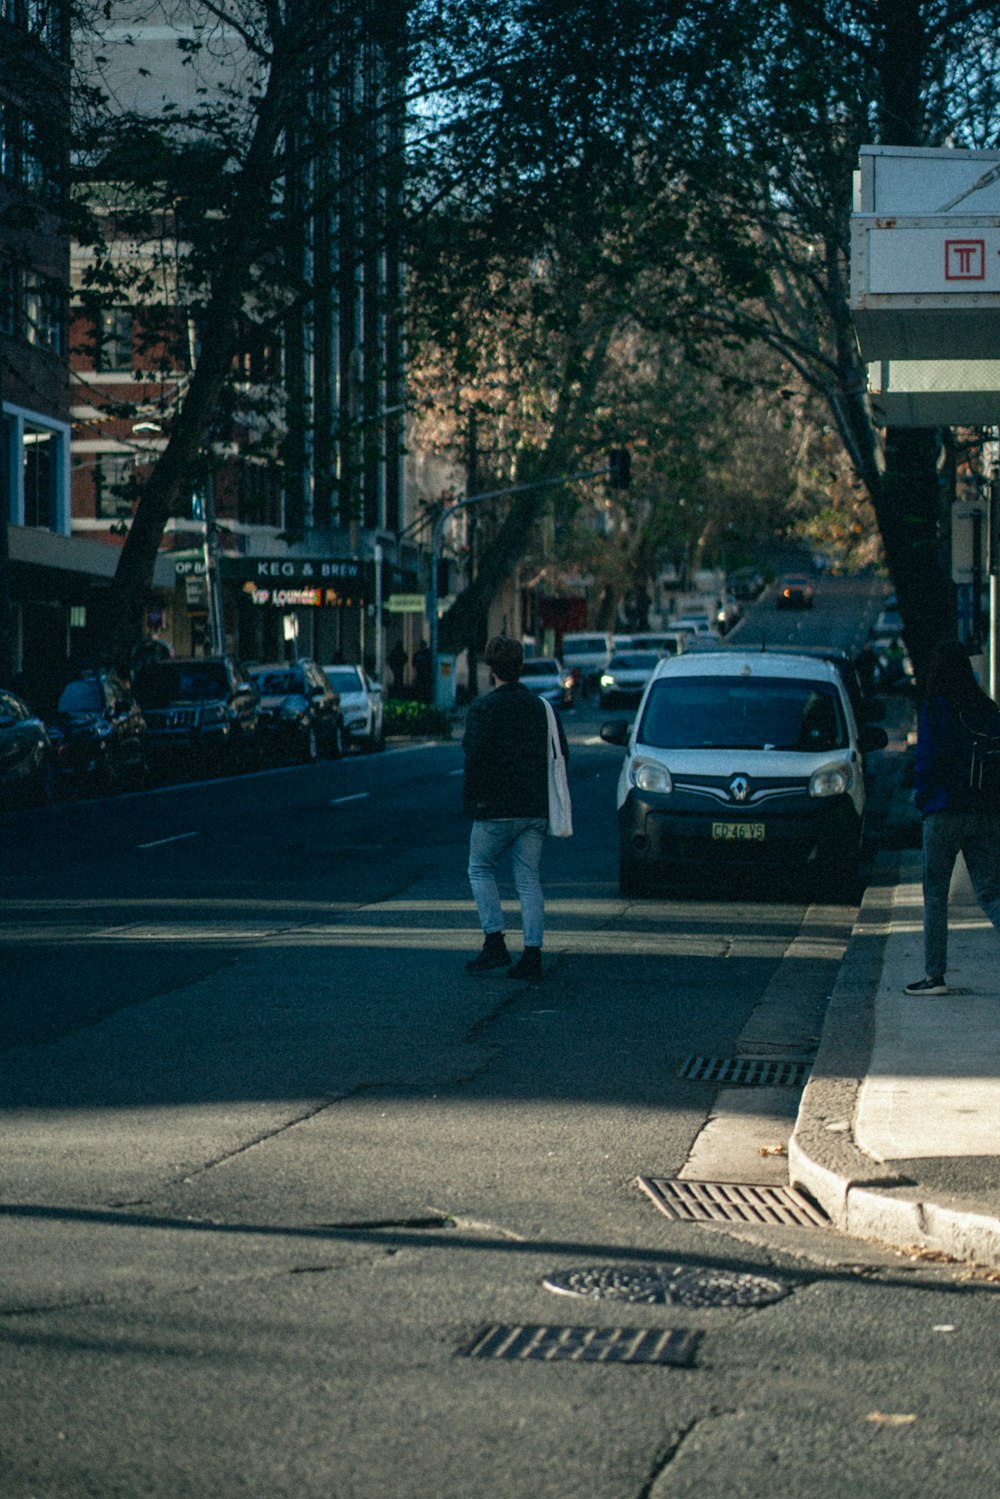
[964, 260]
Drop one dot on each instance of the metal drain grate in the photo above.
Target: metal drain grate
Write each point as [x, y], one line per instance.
[732, 1202]
[670, 1285]
[585, 1345]
[747, 1072]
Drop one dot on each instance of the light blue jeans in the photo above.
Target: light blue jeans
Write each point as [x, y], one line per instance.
[524, 837]
[945, 836]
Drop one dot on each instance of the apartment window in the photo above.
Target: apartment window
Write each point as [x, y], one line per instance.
[8, 298]
[114, 486]
[44, 313]
[39, 477]
[113, 330]
[38, 172]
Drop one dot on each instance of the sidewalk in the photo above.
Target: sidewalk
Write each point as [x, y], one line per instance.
[898, 1132]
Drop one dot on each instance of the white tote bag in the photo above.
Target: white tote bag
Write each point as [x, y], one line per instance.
[560, 811]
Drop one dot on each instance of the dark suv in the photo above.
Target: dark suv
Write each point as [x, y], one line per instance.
[202, 708]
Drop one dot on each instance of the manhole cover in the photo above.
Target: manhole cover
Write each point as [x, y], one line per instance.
[590, 1345]
[747, 1072]
[671, 1285]
[732, 1202]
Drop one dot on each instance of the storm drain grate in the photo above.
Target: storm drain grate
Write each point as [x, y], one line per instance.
[670, 1285]
[747, 1072]
[732, 1202]
[585, 1345]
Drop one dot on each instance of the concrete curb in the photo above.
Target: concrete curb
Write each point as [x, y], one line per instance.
[864, 1197]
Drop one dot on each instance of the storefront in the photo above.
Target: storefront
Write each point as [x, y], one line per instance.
[281, 607]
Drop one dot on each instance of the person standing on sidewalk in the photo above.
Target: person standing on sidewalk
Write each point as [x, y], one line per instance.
[507, 795]
[956, 818]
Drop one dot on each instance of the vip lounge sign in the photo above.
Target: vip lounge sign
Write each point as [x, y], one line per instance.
[302, 582]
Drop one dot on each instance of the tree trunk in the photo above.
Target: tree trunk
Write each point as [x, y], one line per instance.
[170, 482]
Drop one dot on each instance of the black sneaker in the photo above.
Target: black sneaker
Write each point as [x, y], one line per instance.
[927, 986]
[493, 955]
[528, 965]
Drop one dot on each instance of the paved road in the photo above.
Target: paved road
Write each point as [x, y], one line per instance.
[272, 1160]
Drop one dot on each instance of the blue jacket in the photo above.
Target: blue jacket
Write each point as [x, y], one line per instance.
[944, 756]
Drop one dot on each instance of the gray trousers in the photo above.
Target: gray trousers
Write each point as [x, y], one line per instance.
[976, 836]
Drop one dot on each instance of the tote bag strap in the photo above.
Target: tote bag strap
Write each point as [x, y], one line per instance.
[554, 750]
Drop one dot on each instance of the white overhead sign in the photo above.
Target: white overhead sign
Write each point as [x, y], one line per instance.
[927, 286]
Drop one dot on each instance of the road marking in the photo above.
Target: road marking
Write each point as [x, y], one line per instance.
[359, 796]
[457, 772]
[177, 838]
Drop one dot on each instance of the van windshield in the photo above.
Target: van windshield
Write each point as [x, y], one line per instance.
[780, 713]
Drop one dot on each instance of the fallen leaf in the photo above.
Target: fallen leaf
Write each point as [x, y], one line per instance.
[881, 1418]
[772, 1149]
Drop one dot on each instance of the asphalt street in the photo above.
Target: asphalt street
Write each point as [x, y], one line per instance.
[273, 1164]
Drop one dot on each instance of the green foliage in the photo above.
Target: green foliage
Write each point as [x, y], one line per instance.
[417, 720]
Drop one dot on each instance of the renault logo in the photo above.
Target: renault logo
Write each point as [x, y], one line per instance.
[739, 788]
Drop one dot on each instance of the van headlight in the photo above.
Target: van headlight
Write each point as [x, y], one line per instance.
[833, 780]
[648, 777]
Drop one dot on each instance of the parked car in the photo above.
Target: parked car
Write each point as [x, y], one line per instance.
[588, 654]
[98, 735]
[199, 710]
[300, 714]
[361, 704]
[26, 773]
[701, 625]
[547, 677]
[794, 591]
[744, 761]
[664, 642]
[625, 676]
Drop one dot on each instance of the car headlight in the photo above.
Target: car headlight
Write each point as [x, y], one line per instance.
[213, 713]
[607, 680]
[649, 777]
[833, 780]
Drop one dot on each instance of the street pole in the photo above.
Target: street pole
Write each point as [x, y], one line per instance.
[379, 626]
[477, 499]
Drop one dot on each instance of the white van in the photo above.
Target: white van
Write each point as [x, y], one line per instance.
[746, 760]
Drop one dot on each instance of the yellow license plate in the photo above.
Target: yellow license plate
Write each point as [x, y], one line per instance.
[738, 832]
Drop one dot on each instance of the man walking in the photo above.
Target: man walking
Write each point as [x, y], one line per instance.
[506, 793]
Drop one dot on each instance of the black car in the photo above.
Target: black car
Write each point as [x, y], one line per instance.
[98, 735]
[26, 776]
[202, 710]
[300, 715]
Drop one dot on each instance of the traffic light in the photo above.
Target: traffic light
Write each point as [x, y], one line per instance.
[620, 468]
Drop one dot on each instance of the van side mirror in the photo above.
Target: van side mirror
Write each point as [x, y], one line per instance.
[615, 732]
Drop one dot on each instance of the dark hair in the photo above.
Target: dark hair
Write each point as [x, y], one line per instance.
[504, 657]
[950, 676]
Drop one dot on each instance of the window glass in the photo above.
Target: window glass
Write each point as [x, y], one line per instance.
[113, 340]
[344, 679]
[39, 477]
[81, 697]
[114, 485]
[743, 713]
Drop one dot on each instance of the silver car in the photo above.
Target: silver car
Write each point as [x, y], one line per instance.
[361, 705]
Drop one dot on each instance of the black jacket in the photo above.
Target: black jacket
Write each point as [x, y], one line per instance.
[506, 754]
